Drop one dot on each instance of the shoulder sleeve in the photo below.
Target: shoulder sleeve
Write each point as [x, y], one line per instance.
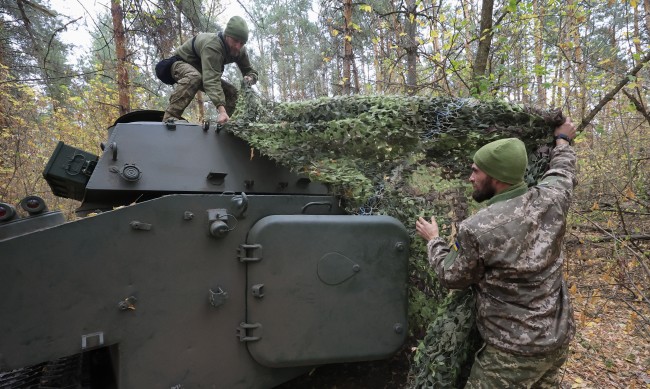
[212, 70]
[244, 64]
[459, 266]
[561, 174]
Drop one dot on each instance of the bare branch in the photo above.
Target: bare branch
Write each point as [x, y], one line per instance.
[638, 105]
[610, 95]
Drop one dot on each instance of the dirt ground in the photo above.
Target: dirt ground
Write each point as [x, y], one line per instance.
[611, 348]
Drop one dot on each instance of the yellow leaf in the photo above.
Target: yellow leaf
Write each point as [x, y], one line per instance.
[595, 206]
[629, 193]
[335, 32]
[365, 8]
[573, 289]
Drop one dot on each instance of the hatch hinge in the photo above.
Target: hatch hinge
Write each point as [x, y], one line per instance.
[242, 332]
[249, 252]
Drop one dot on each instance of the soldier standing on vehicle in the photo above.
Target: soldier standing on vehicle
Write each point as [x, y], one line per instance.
[199, 65]
[511, 253]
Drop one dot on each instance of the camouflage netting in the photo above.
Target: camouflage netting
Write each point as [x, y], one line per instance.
[353, 142]
[405, 157]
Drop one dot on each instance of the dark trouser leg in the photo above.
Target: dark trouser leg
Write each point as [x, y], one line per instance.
[188, 82]
[230, 93]
[494, 368]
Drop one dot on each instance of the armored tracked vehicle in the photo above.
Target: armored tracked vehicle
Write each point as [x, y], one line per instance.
[197, 263]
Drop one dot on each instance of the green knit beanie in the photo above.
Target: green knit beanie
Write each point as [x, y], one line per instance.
[237, 29]
[504, 160]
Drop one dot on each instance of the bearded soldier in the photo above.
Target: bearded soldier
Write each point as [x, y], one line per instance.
[511, 253]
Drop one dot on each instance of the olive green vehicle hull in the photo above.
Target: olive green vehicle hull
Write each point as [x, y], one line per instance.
[214, 288]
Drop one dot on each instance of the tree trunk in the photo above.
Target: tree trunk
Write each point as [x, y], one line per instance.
[538, 10]
[484, 44]
[468, 12]
[411, 48]
[347, 46]
[120, 52]
[379, 78]
[574, 36]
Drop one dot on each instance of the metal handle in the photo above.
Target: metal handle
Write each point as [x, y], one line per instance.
[241, 203]
[114, 148]
[315, 203]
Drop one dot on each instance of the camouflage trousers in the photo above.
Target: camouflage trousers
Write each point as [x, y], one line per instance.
[494, 368]
[188, 82]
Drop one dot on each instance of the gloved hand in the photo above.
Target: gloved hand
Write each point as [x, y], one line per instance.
[250, 81]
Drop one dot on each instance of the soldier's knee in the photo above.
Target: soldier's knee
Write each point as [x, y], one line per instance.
[194, 76]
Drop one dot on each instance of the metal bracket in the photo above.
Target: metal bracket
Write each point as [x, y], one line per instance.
[127, 304]
[136, 225]
[242, 252]
[242, 332]
[216, 178]
[218, 298]
[258, 291]
[83, 166]
[96, 339]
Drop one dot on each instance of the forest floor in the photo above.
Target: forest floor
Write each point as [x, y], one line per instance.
[611, 348]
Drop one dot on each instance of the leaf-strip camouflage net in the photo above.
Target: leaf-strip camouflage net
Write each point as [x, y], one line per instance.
[352, 142]
[405, 157]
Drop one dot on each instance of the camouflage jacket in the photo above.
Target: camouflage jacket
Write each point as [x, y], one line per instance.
[511, 252]
[208, 53]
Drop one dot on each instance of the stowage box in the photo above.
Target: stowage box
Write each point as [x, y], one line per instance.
[69, 170]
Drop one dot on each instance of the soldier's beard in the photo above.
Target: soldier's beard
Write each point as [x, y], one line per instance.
[485, 191]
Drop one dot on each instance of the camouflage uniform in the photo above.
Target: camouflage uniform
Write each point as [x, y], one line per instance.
[511, 252]
[201, 66]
